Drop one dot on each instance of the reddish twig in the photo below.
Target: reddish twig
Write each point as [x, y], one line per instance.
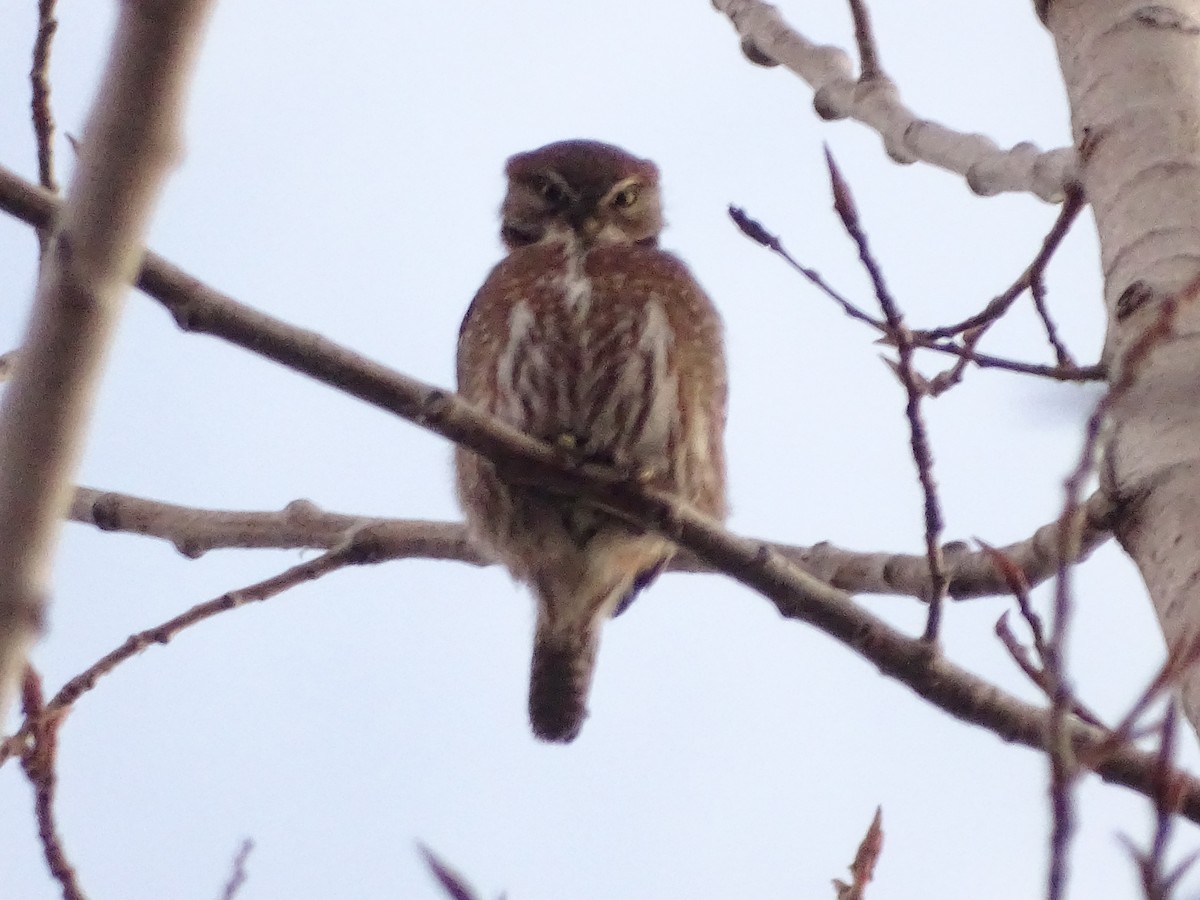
[754, 230]
[1033, 278]
[1063, 765]
[1073, 203]
[868, 53]
[1157, 882]
[237, 876]
[358, 549]
[1181, 656]
[43, 116]
[38, 760]
[926, 340]
[922, 453]
[1018, 586]
[862, 870]
[1037, 673]
[967, 353]
[451, 882]
[1037, 291]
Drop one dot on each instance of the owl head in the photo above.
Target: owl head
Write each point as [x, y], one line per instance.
[584, 191]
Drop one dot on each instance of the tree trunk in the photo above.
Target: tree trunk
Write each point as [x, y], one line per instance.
[1132, 75]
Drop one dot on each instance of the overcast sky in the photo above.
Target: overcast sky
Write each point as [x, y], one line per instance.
[343, 172]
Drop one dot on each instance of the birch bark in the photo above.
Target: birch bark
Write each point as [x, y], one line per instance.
[1132, 74]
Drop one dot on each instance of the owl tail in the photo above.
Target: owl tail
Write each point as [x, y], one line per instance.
[559, 681]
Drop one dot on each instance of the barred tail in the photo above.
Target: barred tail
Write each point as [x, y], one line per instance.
[558, 685]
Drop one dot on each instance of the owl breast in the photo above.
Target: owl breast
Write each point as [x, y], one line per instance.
[615, 353]
[586, 363]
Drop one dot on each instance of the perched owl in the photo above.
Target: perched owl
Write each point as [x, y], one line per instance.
[590, 337]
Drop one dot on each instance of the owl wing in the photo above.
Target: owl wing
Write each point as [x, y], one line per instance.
[666, 380]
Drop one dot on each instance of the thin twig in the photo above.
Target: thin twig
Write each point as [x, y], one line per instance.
[1181, 657]
[1157, 882]
[967, 354]
[451, 882]
[237, 876]
[39, 77]
[758, 233]
[1038, 672]
[1033, 278]
[862, 870]
[754, 230]
[1037, 290]
[868, 54]
[1073, 203]
[39, 761]
[922, 453]
[349, 554]
[359, 549]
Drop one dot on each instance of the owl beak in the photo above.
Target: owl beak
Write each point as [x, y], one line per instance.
[589, 228]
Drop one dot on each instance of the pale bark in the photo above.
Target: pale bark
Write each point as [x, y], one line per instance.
[874, 100]
[302, 524]
[1132, 74]
[129, 143]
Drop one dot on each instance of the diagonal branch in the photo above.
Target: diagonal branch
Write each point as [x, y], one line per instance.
[794, 592]
[129, 143]
[1034, 273]
[360, 549]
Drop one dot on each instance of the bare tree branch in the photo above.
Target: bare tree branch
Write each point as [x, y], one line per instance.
[794, 592]
[868, 53]
[237, 877]
[39, 755]
[130, 142]
[303, 525]
[1157, 882]
[1037, 672]
[922, 452]
[973, 329]
[358, 550]
[451, 882]
[39, 77]
[1073, 204]
[862, 870]
[876, 103]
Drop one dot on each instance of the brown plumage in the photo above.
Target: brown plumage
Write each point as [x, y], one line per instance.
[590, 337]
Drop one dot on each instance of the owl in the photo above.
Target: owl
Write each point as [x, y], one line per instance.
[590, 337]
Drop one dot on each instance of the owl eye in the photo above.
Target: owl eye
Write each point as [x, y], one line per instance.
[627, 197]
[551, 191]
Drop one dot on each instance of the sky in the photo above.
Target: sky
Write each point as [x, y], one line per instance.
[343, 172]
